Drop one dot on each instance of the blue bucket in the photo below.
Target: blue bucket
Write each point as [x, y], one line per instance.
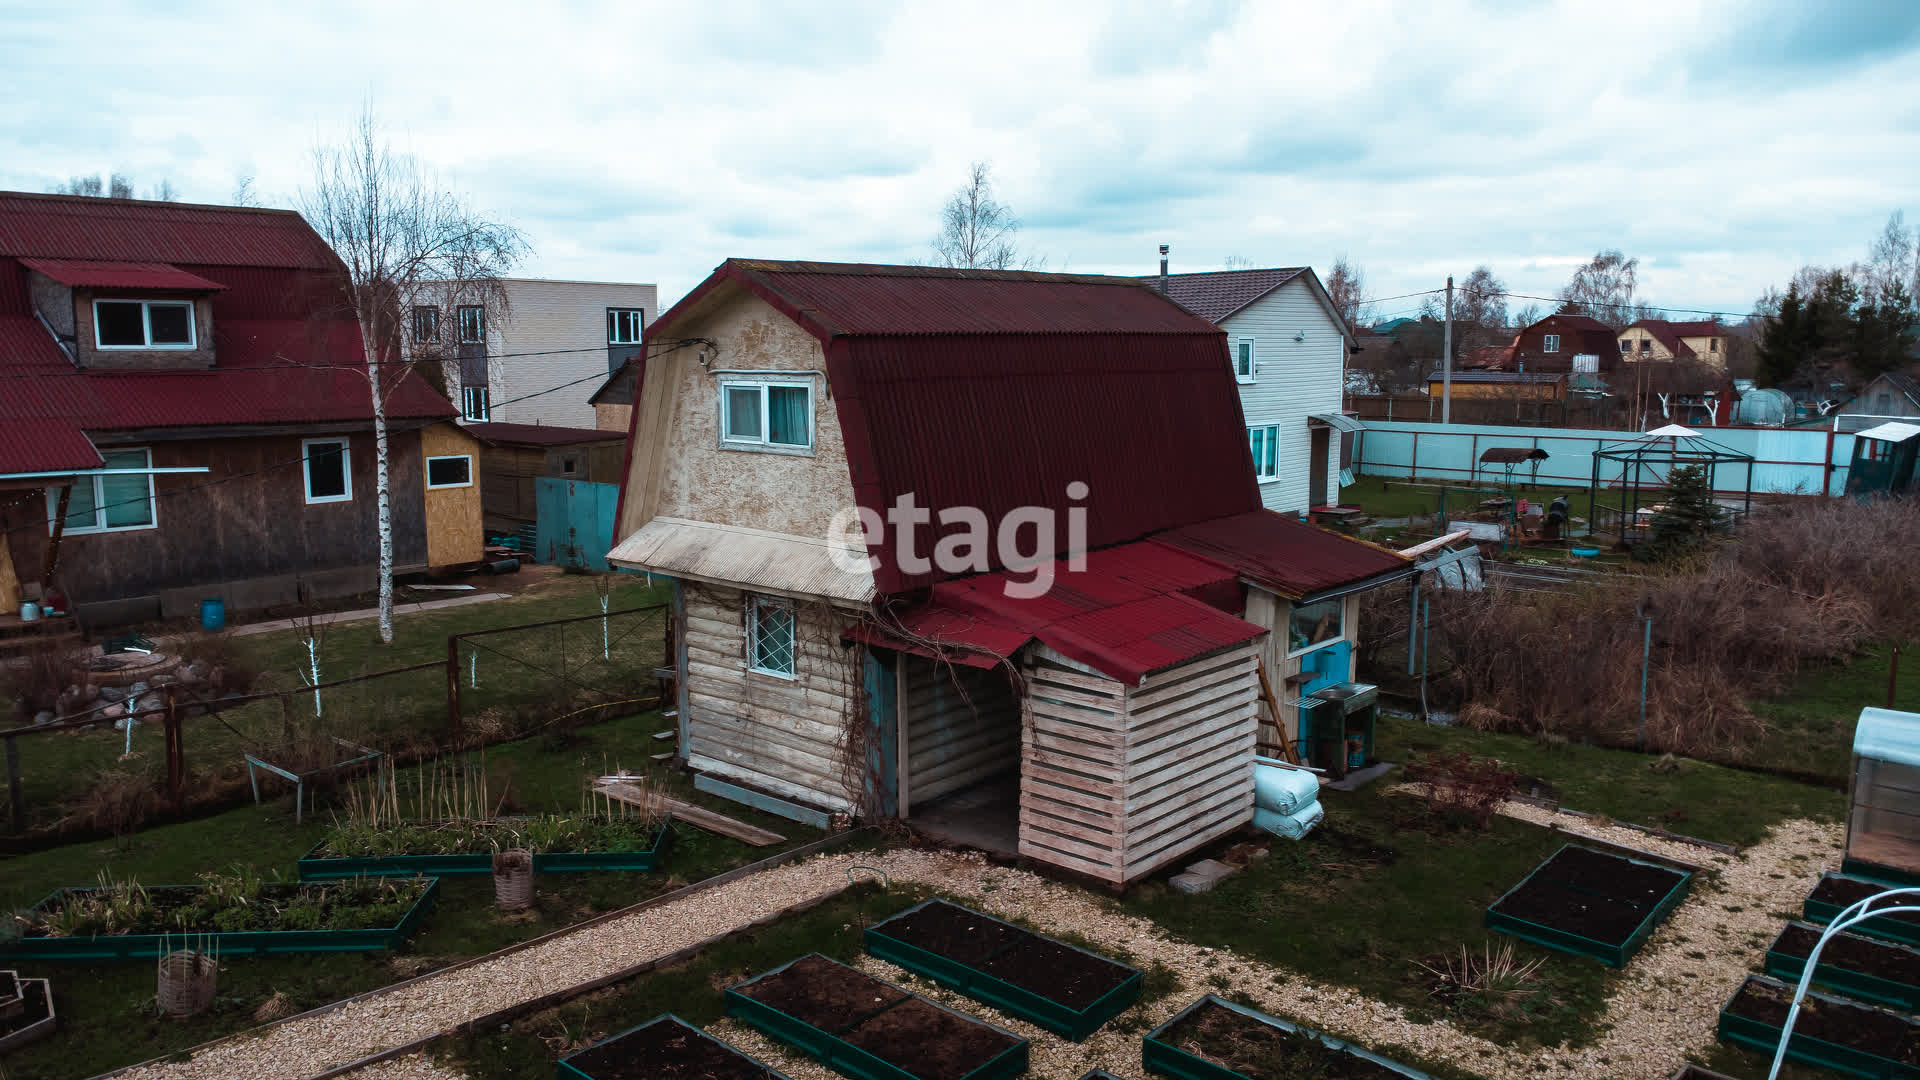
[213, 614]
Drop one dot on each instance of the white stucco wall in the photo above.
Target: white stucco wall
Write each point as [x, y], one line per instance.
[1292, 380]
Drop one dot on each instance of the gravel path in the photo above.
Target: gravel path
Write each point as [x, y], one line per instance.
[1667, 1005]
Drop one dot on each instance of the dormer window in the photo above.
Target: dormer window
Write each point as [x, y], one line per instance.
[143, 324]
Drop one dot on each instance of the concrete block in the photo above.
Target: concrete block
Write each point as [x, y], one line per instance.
[1212, 869]
[1192, 884]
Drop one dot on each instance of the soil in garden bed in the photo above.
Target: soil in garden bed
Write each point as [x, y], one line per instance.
[1261, 1051]
[929, 1042]
[666, 1051]
[953, 932]
[1854, 953]
[35, 995]
[1853, 1026]
[1597, 918]
[1843, 891]
[1054, 971]
[817, 991]
[1610, 875]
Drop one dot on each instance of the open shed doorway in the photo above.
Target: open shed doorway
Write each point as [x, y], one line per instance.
[960, 754]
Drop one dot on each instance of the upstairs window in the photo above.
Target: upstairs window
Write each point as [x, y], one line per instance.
[1626, 345]
[473, 324]
[143, 324]
[426, 326]
[1552, 344]
[1243, 359]
[1713, 345]
[1646, 345]
[104, 502]
[474, 404]
[773, 415]
[324, 463]
[1265, 444]
[770, 643]
[623, 326]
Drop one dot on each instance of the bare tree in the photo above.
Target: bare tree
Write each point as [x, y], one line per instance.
[1892, 257]
[401, 238]
[1528, 315]
[1479, 310]
[119, 187]
[977, 231]
[243, 193]
[1237, 262]
[164, 191]
[1346, 284]
[1604, 288]
[115, 186]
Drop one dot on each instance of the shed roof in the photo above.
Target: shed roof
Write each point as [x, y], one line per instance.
[1888, 735]
[539, 434]
[1511, 455]
[1286, 555]
[106, 274]
[1892, 431]
[1217, 294]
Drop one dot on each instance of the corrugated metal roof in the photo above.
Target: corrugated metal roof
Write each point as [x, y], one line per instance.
[1220, 293]
[1128, 613]
[1280, 553]
[1890, 431]
[82, 227]
[730, 555]
[539, 434]
[103, 274]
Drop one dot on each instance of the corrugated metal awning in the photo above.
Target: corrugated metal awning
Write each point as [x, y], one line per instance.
[1892, 431]
[1338, 421]
[751, 558]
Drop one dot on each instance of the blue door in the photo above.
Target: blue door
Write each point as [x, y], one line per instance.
[574, 523]
[883, 732]
[1331, 665]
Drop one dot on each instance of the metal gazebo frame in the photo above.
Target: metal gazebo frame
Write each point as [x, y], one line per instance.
[1641, 462]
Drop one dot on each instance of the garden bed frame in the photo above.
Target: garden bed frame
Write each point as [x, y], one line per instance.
[236, 943]
[1758, 1035]
[564, 1069]
[1878, 989]
[832, 1049]
[1613, 954]
[970, 979]
[317, 867]
[1891, 928]
[16, 1028]
[1162, 1058]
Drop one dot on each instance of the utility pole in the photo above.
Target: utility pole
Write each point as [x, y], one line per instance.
[1446, 361]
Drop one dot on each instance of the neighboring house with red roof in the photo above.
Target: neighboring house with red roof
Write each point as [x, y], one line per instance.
[186, 414]
[1563, 343]
[1287, 347]
[1704, 342]
[1096, 712]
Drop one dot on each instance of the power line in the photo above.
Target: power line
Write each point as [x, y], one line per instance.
[1631, 307]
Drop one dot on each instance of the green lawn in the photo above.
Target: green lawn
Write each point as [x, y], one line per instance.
[1810, 727]
[1384, 497]
[513, 681]
[1712, 802]
[106, 1018]
[1375, 892]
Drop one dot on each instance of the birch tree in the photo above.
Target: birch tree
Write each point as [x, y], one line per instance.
[977, 230]
[404, 240]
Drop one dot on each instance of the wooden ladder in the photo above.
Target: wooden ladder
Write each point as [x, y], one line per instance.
[1279, 720]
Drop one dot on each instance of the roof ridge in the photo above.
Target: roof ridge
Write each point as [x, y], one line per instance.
[907, 270]
[106, 200]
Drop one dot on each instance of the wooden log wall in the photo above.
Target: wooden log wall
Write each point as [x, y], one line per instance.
[784, 736]
[963, 727]
[1116, 781]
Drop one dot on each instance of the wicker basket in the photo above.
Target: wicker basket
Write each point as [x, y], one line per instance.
[187, 980]
[513, 879]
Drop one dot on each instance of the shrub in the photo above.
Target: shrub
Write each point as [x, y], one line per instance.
[1461, 788]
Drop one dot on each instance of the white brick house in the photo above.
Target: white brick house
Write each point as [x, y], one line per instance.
[1288, 349]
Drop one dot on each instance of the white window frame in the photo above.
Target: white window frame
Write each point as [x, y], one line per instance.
[614, 319]
[346, 470]
[1626, 346]
[761, 442]
[755, 602]
[469, 395]
[413, 324]
[146, 325]
[1550, 343]
[1273, 440]
[100, 500]
[1318, 645]
[460, 324]
[468, 482]
[1253, 359]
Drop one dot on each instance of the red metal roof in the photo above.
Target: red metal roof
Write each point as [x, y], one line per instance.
[1128, 613]
[539, 434]
[99, 273]
[142, 230]
[1218, 294]
[1284, 554]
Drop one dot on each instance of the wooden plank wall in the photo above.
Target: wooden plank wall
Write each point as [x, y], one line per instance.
[963, 727]
[1073, 759]
[1189, 757]
[781, 735]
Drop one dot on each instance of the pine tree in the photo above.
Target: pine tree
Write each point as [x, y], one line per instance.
[1690, 514]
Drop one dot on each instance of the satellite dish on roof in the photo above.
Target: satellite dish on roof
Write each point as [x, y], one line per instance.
[1673, 431]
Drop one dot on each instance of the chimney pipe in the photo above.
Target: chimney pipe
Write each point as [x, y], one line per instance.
[1163, 269]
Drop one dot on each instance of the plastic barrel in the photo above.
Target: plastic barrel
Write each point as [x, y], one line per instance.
[213, 614]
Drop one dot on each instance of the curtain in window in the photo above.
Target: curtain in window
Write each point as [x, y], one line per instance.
[743, 412]
[787, 422]
[126, 500]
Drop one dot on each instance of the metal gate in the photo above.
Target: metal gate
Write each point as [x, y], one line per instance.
[574, 522]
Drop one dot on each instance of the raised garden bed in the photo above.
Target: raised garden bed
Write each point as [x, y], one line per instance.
[1067, 991]
[664, 1048]
[1830, 1032]
[1836, 892]
[28, 1014]
[1591, 903]
[101, 924]
[642, 848]
[1878, 971]
[870, 1029]
[1215, 1039]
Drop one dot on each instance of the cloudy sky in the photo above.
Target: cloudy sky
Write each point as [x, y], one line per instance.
[1723, 144]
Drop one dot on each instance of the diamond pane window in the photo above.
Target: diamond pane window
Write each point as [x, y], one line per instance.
[770, 645]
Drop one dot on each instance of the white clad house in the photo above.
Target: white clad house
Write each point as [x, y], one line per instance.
[1288, 349]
